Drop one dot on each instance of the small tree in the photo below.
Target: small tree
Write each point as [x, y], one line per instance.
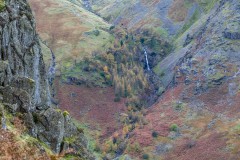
[154, 134]
[142, 40]
[121, 42]
[105, 69]
[145, 156]
[112, 27]
[174, 127]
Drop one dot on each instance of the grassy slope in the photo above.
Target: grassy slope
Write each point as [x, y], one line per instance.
[16, 143]
[69, 30]
[129, 10]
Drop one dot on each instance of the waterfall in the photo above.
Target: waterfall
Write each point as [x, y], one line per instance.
[36, 77]
[146, 57]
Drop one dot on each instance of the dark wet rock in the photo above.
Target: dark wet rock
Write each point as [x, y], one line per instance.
[188, 40]
[23, 83]
[232, 35]
[191, 144]
[12, 108]
[50, 125]
[213, 61]
[17, 96]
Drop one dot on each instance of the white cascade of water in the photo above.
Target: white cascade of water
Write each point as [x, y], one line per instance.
[146, 57]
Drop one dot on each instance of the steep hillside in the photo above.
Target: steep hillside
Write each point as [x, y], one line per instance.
[183, 53]
[160, 16]
[198, 115]
[70, 31]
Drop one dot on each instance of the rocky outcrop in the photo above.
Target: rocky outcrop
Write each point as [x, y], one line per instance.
[24, 83]
[211, 50]
[20, 50]
[232, 35]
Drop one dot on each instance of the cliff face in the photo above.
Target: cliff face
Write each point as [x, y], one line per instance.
[202, 91]
[208, 53]
[21, 55]
[24, 84]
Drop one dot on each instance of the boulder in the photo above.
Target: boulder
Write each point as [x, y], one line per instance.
[50, 127]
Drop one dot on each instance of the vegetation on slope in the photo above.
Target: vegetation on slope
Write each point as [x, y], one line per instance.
[70, 31]
[16, 143]
[121, 67]
[2, 4]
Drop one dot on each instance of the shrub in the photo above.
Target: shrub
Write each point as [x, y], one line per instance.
[117, 99]
[154, 134]
[178, 106]
[121, 43]
[112, 27]
[114, 140]
[108, 18]
[145, 156]
[137, 147]
[108, 78]
[2, 5]
[97, 148]
[80, 130]
[96, 33]
[191, 144]
[162, 74]
[174, 127]
[65, 113]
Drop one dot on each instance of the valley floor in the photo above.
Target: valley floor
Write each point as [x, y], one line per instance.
[92, 106]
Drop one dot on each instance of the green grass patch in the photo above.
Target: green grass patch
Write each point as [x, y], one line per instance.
[92, 137]
[89, 72]
[192, 20]
[174, 128]
[2, 5]
[207, 5]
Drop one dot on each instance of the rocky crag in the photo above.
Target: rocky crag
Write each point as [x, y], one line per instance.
[201, 83]
[208, 53]
[24, 85]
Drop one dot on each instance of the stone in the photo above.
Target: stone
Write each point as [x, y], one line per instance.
[24, 88]
[163, 148]
[232, 35]
[50, 126]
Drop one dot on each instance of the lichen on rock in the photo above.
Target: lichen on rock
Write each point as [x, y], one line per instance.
[24, 85]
